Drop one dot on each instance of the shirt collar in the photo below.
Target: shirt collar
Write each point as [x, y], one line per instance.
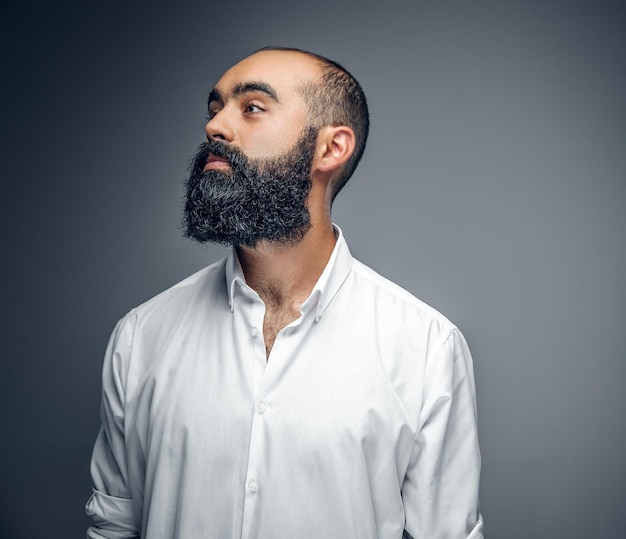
[330, 281]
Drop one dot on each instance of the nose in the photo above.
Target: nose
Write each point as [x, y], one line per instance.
[218, 128]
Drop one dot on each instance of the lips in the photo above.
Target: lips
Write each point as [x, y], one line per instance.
[214, 162]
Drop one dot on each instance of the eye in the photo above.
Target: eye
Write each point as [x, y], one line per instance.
[252, 108]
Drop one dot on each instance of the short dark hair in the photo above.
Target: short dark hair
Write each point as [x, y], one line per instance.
[336, 99]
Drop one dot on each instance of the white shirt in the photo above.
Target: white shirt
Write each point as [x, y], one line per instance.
[361, 424]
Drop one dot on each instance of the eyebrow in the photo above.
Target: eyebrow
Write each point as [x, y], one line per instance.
[245, 88]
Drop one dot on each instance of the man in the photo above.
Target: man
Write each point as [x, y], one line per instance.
[287, 391]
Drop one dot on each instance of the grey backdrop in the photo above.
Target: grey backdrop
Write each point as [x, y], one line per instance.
[493, 187]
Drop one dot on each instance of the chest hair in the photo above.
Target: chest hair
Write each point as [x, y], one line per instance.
[277, 316]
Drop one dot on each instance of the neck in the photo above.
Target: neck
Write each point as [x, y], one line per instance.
[284, 275]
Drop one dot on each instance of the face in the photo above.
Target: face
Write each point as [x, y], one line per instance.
[250, 182]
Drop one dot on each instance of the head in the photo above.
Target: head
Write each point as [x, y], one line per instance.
[279, 134]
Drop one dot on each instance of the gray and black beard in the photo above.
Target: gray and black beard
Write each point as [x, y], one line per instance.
[255, 200]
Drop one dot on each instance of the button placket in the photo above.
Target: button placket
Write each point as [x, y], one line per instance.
[256, 459]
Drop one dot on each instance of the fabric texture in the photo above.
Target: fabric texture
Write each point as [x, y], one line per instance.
[362, 422]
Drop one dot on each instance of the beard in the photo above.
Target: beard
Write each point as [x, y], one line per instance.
[256, 200]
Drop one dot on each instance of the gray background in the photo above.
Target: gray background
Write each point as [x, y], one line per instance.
[493, 188]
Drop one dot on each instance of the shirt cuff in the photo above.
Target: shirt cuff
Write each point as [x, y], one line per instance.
[111, 516]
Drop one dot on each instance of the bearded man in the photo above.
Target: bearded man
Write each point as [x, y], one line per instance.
[288, 390]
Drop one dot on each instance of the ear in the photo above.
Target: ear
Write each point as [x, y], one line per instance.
[335, 145]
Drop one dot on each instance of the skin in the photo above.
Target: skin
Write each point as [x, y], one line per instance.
[257, 107]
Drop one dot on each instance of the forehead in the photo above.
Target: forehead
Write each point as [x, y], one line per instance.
[283, 70]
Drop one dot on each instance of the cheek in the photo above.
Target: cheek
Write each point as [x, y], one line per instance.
[272, 142]
[274, 136]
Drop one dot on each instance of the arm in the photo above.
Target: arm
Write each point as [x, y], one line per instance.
[440, 489]
[110, 507]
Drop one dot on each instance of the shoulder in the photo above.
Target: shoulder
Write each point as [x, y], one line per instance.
[205, 287]
[392, 300]
[410, 340]
[207, 283]
[154, 324]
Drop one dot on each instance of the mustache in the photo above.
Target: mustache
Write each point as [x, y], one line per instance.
[235, 157]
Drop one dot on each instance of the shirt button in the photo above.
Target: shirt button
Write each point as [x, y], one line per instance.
[254, 331]
[253, 485]
[261, 407]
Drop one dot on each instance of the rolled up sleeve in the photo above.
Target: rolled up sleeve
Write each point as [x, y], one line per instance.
[440, 489]
[110, 516]
[110, 508]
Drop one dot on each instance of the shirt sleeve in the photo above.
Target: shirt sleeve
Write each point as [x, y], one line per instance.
[440, 489]
[110, 507]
